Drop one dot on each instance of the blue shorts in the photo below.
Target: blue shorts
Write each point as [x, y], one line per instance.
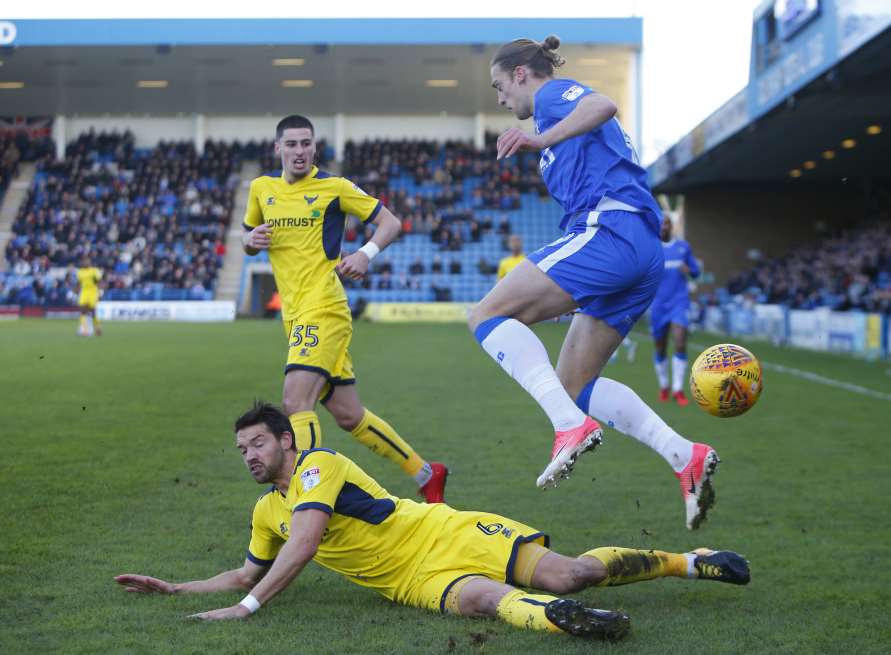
[611, 270]
[662, 316]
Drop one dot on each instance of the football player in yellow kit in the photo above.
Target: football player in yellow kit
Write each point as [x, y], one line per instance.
[88, 298]
[322, 506]
[298, 216]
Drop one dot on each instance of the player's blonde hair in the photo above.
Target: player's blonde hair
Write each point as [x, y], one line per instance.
[541, 58]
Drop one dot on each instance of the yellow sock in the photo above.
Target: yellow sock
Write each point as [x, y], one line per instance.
[82, 325]
[626, 565]
[526, 611]
[380, 437]
[307, 430]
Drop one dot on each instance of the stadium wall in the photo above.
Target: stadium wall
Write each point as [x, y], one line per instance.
[723, 224]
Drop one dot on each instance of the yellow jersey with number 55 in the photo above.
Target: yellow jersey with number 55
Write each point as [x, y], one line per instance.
[307, 219]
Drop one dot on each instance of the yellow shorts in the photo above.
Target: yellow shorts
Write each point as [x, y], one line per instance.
[88, 299]
[470, 544]
[319, 340]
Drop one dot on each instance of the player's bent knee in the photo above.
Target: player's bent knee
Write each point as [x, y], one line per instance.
[346, 419]
[295, 404]
[568, 575]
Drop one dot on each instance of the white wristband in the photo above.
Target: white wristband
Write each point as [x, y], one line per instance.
[250, 603]
[370, 249]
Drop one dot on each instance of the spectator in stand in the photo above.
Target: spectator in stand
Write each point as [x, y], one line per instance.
[384, 266]
[504, 225]
[417, 267]
[485, 267]
[441, 291]
[385, 282]
[436, 265]
[455, 267]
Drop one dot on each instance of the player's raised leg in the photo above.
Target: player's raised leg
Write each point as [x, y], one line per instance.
[500, 324]
[382, 439]
[581, 360]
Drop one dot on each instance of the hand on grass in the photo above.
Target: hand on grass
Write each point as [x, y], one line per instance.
[143, 584]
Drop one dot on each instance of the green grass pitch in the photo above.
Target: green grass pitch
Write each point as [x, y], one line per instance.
[118, 457]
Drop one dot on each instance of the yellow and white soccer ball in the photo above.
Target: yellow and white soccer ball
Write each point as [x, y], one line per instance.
[726, 380]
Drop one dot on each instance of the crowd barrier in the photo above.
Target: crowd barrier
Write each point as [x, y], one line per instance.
[200, 311]
[852, 332]
[418, 312]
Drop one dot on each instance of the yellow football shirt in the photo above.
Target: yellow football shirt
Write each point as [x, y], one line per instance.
[88, 279]
[375, 539]
[508, 264]
[308, 220]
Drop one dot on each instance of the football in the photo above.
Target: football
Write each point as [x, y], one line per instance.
[725, 380]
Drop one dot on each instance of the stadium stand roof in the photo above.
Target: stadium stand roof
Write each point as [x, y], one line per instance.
[227, 65]
[817, 109]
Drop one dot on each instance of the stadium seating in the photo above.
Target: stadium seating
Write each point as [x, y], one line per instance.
[153, 219]
[457, 205]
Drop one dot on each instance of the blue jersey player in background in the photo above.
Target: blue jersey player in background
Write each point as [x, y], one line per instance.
[669, 312]
[607, 265]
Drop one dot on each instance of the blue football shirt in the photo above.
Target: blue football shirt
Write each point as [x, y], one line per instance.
[673, 288]
[596, 171]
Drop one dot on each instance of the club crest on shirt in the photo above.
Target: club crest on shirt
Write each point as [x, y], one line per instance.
[311, 199]
[573, 92]
[270, 200]
[310, 478]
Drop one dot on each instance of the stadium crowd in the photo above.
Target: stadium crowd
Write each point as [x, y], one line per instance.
[848, 270]
[153, 220]
[456, 190]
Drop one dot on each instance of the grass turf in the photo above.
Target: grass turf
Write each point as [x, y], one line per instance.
[118, 457]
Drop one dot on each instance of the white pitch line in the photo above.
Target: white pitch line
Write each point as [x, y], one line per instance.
[830, 382]
[819, 379]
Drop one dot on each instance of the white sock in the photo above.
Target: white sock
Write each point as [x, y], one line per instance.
[89, 325]
[631, 347]
[619, 407]
[423, 476]
[678, 369]
[661, 366]
[523, 356]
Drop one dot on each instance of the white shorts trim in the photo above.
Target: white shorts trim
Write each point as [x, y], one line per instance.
[568, 249]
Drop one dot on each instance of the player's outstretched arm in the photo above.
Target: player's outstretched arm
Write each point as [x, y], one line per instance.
[307, 527]
[244, 578]
[387, 228]
[590, 112]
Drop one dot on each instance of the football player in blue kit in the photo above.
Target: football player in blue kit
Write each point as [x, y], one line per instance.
[669, 313]
[607, 265]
